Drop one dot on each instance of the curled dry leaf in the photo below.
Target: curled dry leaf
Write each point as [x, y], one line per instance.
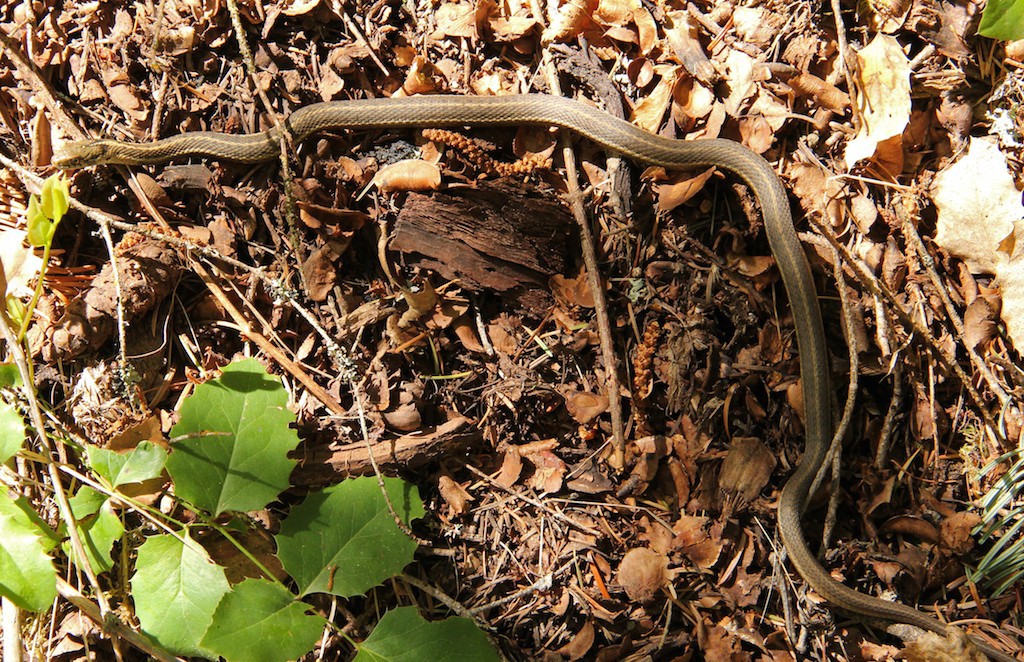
[572, 291]
[585, 407]
[455, 495]
[643, 573]
[672, 195]
[746, 469]
[650, 112]
[408, 175]
[883, 74]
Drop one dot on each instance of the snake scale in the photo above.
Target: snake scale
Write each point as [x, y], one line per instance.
[627, 140]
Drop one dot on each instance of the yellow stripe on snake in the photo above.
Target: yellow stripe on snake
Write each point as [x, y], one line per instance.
[627, 140]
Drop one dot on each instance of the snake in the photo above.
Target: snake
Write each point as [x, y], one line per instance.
[625, 139]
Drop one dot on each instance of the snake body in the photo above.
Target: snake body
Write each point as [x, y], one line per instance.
[627, 140]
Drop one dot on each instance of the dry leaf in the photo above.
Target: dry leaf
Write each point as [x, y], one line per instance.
[572, 291]
[20, 264]
[672, 195]
[580, 643]
[511, 468]
[454, 494]
[548, 472]
[585, 407]
[746, 469]
[954, 647]
[455, 19]
[298, 7]
[642, 574]
[739, 73]
[650, 112]
[569, 20]
[409, 175]
[978, 204]
[1011, 285]
[883, 98]
[319, 274]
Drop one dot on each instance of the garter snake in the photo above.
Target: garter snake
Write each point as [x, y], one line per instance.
[624, 139]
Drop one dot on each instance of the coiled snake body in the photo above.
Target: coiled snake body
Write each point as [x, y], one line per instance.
[627, 140]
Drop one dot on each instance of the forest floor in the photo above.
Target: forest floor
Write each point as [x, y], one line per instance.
[600, 468]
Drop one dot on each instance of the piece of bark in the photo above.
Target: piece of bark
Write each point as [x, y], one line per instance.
[322, 465]
[502, 236]
[149, 270]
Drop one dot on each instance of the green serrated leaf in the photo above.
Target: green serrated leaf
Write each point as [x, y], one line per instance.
[10, 376]
[27, 576]
[260, 621]
[176, 589]
[86, 502]
[235, 456]
[141, 463]
[99, 527]
[12, 431]
[1003, 20]
[405, 636]
[344, 540]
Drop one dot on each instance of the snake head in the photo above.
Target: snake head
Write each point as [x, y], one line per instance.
[82, 153]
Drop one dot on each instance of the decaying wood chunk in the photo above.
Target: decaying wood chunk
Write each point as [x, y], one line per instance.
[499, 235]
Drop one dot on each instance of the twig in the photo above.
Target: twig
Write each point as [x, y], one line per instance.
[832, 458]
[110, 623]
[910, 234]
[291, 216]
[536, 504]
[868, 280]
[885, 435]
[612, 388]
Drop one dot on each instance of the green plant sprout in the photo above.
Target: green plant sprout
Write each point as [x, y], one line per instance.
[45, 212]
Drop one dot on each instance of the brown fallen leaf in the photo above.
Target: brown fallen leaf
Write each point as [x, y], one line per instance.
[408, 175]
[643, 573]
[455, 495]
[585, 407]
[580, 644]
[746, 470]
[883, 97]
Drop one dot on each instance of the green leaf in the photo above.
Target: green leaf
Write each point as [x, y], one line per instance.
[236, 453]
[260, 621]
[344, 540]
[176, 589]
[12, 431]
[99, 527]
[9, 375]
[55, 197]
[27, 576]
[404, 636]
[141, 463]
[1003, 20]
[40, 227]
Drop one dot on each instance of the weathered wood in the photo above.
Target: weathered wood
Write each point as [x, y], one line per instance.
[501, 236]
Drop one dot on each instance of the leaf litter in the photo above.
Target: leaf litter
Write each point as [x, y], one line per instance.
[496, 404]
